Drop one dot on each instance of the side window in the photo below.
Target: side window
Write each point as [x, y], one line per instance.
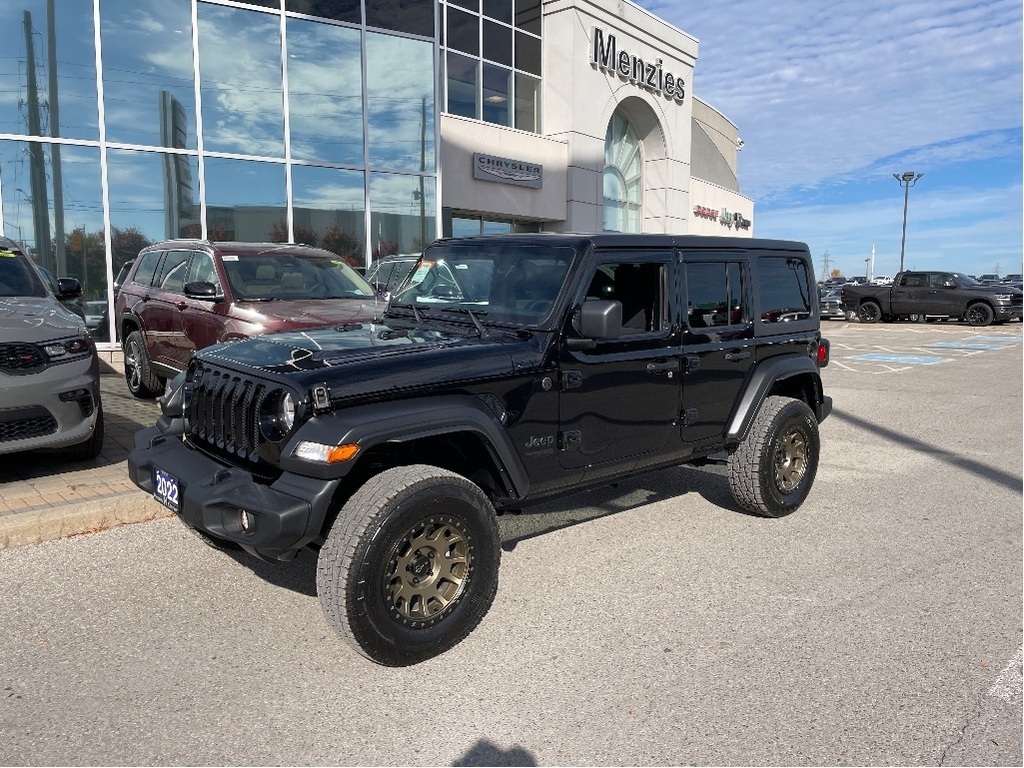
[785, 289]
[639, 287]
[147, 268]
[202, 269]
[714, 295]
[172, 275]
[915, 281]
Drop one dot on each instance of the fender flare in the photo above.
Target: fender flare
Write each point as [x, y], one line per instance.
[760, 383]
[399, 421]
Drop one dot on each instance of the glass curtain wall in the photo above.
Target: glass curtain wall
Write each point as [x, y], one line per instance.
[492, 61]
[308, 121]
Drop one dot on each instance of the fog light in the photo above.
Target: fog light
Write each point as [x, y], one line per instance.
[247, 520]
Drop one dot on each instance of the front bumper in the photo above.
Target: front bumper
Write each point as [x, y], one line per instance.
[287, 514]
[66, 395]
[1006, 312]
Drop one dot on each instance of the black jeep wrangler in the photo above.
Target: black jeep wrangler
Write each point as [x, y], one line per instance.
[505, 369]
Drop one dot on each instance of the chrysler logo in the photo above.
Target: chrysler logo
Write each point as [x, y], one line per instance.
[507, 171]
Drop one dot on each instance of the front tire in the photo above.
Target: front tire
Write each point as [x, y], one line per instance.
[138, 373]
[410, 567]
[773, 469]
[979, 314]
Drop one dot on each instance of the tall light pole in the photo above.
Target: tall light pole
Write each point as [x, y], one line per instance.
[907, 180]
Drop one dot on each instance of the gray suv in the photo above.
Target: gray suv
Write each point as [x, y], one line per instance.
[49, 369]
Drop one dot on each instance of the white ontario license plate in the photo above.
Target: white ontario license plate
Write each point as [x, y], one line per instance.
[165, 488]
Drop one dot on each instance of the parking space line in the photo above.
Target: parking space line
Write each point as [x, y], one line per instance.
[967, 344]
[890, 357]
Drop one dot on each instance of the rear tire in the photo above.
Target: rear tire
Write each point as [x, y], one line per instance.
[410, 567]
[773, 469]
[138, 373]
[869, 312]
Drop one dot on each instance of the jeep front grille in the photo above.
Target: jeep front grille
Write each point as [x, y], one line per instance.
[21, 358]
[223, 413]
[25, 423]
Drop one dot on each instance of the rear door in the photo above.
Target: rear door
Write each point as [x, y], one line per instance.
[621, 399]
[718, 342]
[163, 317]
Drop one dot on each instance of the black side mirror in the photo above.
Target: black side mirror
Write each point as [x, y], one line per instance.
[599, 319]
[68, 288]
[200, 289]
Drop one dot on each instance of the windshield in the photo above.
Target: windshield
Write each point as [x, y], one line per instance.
[514, 284]
[965, 279]
[292, 276]
[17, 276]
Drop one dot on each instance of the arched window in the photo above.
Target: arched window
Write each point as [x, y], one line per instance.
[623, 177]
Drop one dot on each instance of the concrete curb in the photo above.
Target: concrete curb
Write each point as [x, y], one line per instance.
[37, 526]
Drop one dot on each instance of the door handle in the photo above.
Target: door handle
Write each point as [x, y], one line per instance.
[181, 305]
[735, 357]
[666, 366]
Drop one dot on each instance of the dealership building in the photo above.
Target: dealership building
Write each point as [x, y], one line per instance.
[366, 128]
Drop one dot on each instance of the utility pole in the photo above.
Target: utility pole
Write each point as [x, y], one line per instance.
[826, 260]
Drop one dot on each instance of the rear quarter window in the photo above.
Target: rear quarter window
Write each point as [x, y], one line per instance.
[784, 289]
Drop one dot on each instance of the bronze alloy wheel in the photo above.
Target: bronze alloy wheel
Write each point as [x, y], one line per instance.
[428, 571]
[772, 470]
[410, 565]
[790, 460]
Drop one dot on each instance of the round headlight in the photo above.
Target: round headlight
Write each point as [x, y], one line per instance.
[286, 412]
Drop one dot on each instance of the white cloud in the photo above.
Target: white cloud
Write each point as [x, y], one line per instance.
[824, 89]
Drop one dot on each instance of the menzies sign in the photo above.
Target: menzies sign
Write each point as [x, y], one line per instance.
[646, 74]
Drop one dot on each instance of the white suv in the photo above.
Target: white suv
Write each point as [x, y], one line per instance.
[49, 369]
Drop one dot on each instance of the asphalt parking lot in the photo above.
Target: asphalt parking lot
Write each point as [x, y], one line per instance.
[650, 623]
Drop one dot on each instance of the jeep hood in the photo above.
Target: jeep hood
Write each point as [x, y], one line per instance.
[367, 358]
[36, 319]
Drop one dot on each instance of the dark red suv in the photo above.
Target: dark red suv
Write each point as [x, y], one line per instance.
[183, 295]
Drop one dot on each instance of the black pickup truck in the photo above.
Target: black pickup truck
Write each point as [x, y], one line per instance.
[942, 294]
[505, 370]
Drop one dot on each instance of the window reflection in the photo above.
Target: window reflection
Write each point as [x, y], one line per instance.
[61, 228]
[245, 200]
[328, 211]
[400, 98]
[413, 16]
[152, 194]
[49, 90]
[240, 74]
[339, 10]
[497, 83]
[325, 96]
[462, 90]
[401, 213]
[149, 96]
[462, 32]
[497, 43]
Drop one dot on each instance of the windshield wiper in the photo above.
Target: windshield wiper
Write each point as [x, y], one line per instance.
[410, 305]
[472, 316]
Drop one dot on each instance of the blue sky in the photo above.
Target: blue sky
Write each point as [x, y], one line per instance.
[833, 98]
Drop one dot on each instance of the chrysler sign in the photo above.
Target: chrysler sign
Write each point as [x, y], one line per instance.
[650, 75]
[506, 171]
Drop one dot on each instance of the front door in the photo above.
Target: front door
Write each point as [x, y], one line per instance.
[621, 399]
